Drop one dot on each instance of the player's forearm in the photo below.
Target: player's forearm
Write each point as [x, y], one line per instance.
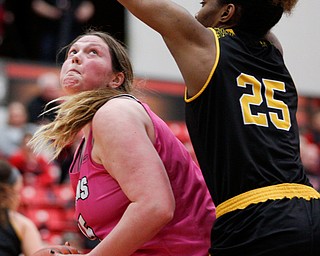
[137, 226]
[163, 16]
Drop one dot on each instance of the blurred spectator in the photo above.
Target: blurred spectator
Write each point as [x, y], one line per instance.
[60, 21]
[18, 26]
[110, 17]
[6, 17]
[310, 158]
[310, 149]
[53, 23]
[35, 168]
[314, 132]
[18, 234]
[13, 131]
[49, 89]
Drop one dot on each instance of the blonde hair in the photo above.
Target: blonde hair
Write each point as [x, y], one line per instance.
[71, 116]
[77, 110]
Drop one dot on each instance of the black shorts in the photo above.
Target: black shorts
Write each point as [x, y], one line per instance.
[286, 227]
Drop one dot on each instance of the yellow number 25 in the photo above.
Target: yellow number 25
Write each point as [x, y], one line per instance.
[256, 98]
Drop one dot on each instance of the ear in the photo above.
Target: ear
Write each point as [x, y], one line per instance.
[227, 13]
[117, 80]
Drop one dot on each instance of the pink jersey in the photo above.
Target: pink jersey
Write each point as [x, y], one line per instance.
[100, 202]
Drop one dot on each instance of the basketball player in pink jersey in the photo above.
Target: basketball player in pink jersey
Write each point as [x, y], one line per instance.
[137, 188]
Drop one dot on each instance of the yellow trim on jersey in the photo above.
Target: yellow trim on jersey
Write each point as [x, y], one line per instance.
[260, 195]
[211, 72]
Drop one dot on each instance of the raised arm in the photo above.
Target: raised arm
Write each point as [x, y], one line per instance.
[190, 43]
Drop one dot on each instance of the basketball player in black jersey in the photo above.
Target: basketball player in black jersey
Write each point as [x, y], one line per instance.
[241, 107]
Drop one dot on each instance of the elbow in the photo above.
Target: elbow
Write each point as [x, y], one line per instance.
[167, 216]
[165, 212]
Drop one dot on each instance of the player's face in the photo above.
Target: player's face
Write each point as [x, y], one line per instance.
[88, 65]
[209, 13]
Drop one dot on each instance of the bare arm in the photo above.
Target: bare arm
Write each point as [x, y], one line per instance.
[85, 11]
[190, 43]
[28, 233]
[121, 131]
[46, 10]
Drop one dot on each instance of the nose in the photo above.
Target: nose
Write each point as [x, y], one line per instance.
[76, 58]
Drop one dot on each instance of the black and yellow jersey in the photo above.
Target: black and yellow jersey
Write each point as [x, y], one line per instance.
[242, 123]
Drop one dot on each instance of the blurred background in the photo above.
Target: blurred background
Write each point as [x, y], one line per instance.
[31, 34]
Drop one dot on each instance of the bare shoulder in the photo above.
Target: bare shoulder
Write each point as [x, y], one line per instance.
[271, 37]
[27, 231]
[118, 119]
[119, 109]
[117, 123]
[20, 221]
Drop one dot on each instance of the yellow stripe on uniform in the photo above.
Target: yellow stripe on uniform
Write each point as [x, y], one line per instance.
[260, 195]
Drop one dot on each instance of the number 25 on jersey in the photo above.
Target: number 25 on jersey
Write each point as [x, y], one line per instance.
[256, 98]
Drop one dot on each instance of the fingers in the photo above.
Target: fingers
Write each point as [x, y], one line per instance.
[55, 252]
